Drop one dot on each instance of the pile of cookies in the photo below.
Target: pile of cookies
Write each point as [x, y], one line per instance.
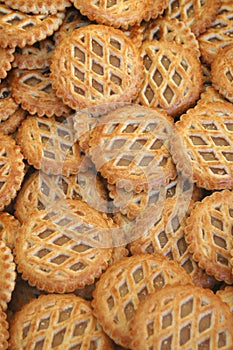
[116, 174]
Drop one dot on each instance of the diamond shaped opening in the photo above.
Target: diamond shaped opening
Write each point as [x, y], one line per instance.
[168, 94]
[65, 314]
[97, 48]
[43, 252]
[145, 161]
[167, 320]
[115, 61]
[78, 90]
[177, 78]
[80, 328]
[204, 323]
[44, 323]
[44, 188]
[175, 222]
[78, 266]
[129, 311]
[43, 126]
[97, 86]
[186, 308]
[32, 81]
[208, 156]
[184, 65]
[117, 144]
[47, 140]
[115, 43]
[190, 10]
[188, 265]
[97, 68]
[48, 154]
[222, 260]
[47, 88]
[150, 329]
[58, 338]
[216, 223]
[229, 126]
[80, 248]
[60, 259]
[110, 302]
[79, 55]
[157, 144]
[222, 339]
[79, 74]
[229, 76]
[166, 62]
[185, 334]
[111, 3]
[147, 62]
[125, 161]
[142, 294]
[28, 25]
[46, 233]
[197, 140]
[14, 19]
[4, 93]
[40, 205]
[228, 156]
[209, 126]
[163, 239]
[149, 93]
[123, 289]
[138, 144]
[166, 344]
[150, 127]
[218, 170]
[39, 345]
[157, 77]
[159, 281]
[138, 274]
[61, 240]
[182, 246]
[115, 79]
[220, 141]
[205, 345]
[231, 213]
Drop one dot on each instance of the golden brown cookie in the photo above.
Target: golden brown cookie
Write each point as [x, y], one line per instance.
[57, 321]
[49, 145]
[32, 89]
[64, 247]
[198, 15]
[4, 333]
[222, 72]
[11, 169]
[182, 317]
[101, 66]
[206, 133]
[172, 76]
[36, 56]
[41, 190]
[130, 148]
[209, 234]
[125, 285]
[6, 58]
[219, 34]
[7, 103]
[37, 6]
[8, 275]
[120, 14]
[9, 227]
[21, 29]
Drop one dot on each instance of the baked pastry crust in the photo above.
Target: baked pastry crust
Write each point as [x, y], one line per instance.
[37, 6]
[4, 333]
[6, 59]
[7, 103]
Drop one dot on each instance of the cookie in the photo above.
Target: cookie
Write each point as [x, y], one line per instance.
[129, 146]
[206, 133]
[178, 317]
[125, 284]
[32, 89]
[37, 6]
[36, 56]
[61, 321]
[120, 14]
[219, 34]
[11, 124]
[49, 145]
[41, 190]
[222, 72]
[7, 103]
[198, 15]
[172, 76]
[11, 170]
[21, 29]
[8, 275]
[61, 248]
[101, 66]
[6, 59]
[9, 227]
[208, 234]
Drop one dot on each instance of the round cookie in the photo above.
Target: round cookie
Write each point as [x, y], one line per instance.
[182, 317]
[57, 321]
[101, 66]
[222, 72]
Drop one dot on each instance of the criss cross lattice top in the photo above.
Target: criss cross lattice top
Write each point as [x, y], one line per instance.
[130, 148]
[172, 76]
[58, 321]
[127, 283]
[182, 318]
[20, 29]
[207, 135]
[61, 248]
[102, 65]
[50, 145]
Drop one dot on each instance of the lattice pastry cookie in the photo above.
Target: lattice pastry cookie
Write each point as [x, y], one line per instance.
[129, 146]
[40, 190]
[37, 6]
[4, 331]
[219, 34]
[32, 89]
[64, 247]
[50, 145]
[9, 227]
[125, 285]
[209, 234]
[198, 15]
[57, 321]
[11, 170]
[172, 76]
[21, 29]
[6, 59]
[222, 72]
[178, 317]
[226, 295]
[206, 133]
[120, 13]
[101, 65]
[7, 104]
